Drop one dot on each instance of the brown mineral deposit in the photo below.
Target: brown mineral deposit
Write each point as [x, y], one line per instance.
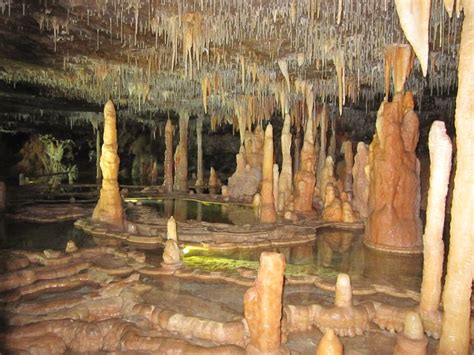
[109, 207]
[361, 173]
[168, 178]
[455, 334]
[394, 198]
[332, 211]
[327, 176]
[181, 155]
[263, 306]
[267, 207]
[412, 341]
[285, 182]
[433, 247]
[330, 344]
[305, 179]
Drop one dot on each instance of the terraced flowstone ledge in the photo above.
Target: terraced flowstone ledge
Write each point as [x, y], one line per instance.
[217, 236]
[114, 310]
[50, 213]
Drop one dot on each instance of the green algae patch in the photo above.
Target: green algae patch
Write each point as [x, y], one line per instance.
[214, 264]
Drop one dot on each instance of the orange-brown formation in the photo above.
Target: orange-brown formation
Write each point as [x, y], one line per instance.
[168, 178]
[109, 207]
[330, 344]
[360, 174]
[263, 306]
[267, 206]
[285, 182]
[394, 191]
[305, 179]
[181, 154]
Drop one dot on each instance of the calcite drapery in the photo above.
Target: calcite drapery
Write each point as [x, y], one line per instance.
[263, 306]
[109, 207]
[305, 179]
[433, 247]
[394, 190]
[267, 207]
[181, 155]
[168, 178]
[458, 285]
[360, 174]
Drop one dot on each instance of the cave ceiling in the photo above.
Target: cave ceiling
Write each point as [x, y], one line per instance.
[222, 58]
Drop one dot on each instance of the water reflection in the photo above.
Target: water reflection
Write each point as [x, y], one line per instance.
[185, 210]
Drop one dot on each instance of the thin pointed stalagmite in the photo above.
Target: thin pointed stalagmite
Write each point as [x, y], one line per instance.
[200, 173]
[267, 208]
[263, 306]
[455, 331]
[433, 247]
[182, 154]
[109, 207]
[168, 179]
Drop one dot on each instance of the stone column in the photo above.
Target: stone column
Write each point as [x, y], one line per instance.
[455, 334]
[181, 155]
[433, 247]
[200, 174]
[305, 179]
[263, 306]
[109, 207]
[285, 183]
[267, 208]
[168, 178]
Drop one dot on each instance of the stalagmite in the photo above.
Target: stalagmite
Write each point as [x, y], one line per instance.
[200, 173]
[181, 156]
[414, 18]
[348, 158]
[267, 207]
[332, 211]
[263, 306]
[327, 176]
[412, 340]
[323, 127]
[171, 255]
[455, 333]
[329, 344]
[213, 183]
[168, 163]
[361, 173]
[109, 207]
[433, 248]
[394, 198]
[305, 179]
[285, 183]
[276, 172]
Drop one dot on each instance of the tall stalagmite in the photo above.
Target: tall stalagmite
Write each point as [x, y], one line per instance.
[109, 207]
[285, 183]
[181, 156]
[168, 179]
[455, 334]
[394, 191]
[200, 173]
[263, 306]
[433, 248]
[305, 179]
[360, 174]
[323, 127]
[267, 208]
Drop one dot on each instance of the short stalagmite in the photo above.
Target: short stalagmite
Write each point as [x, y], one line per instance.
[168, 179]
[214, 182]
[267, 207]
[412, 340]
[332, 211]
[330, 344]
[171, 254]
[360, 174]
[109, 207]
[394, 191]
[455, 333]
[305, 179]
[433, 247]
[263, 306]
